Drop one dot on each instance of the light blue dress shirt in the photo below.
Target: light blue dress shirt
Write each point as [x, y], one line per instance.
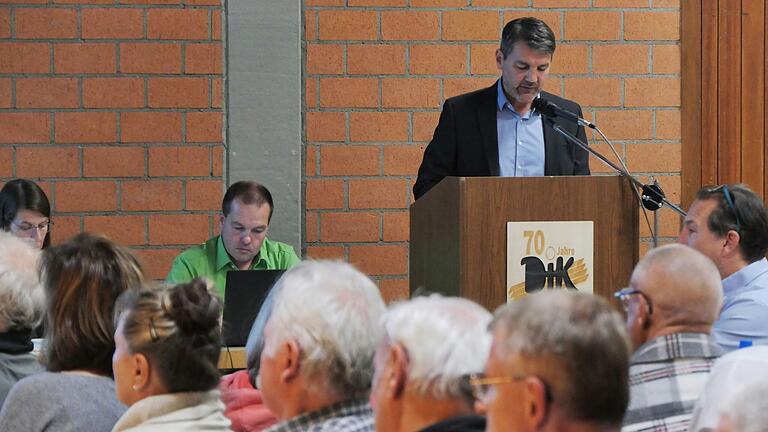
[521, 140]
[744, 316]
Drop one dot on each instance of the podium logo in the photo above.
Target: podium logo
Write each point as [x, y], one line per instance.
[537, 278]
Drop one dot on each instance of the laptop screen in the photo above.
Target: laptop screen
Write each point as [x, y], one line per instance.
[246, 291]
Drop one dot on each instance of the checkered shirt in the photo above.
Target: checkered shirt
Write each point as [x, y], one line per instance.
[348, 416]
[666, 376]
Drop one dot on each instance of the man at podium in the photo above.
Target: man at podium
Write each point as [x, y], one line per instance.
[494, 131]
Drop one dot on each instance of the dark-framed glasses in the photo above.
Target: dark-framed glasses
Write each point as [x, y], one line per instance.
[624, 295]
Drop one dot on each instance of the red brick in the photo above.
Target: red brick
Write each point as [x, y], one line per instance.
[123, 229]
[310, 25]
[456, 86]
[424, 124]
[483, 58]
[668, 124]
[396, 226]
[86, 127]
[378, 126]
[349, 92]
[499, 3]
[216, 23]
[151, 195]
[626, 124]
[375, 59]
[560, 3]
[179, 161]
[326, 126]
[217, 160]
[402, 160]
[621, 3]
[378, 193]
[113, 161]
[217, 93]
[593, 91]
[177, 23]
[46, 93]
[653, 157]
[393, 290]
[376, 3]
[349, 227]
[438, 59]
[47, 162]
[349, 160]
[5, 23]
[167, 92]
[64, 228]
[325, 252]
[46, 23]
[312, 231]
[325, 194]
[156, 262]
[204, 59]
[80, 196]
[150, 58]
[471, 25]
[666, 59]
[409, 25]
[325, 59]
[324, 2]
[439, 3]
[113, 92]
[204, 126]
[178, 229]
[592, 25]
[380, 260]
[410, 93]
[203, 2]
[32, 127]
[666, 4]
[150, 126]
[112, 23]
[5, 93]
[571, 59]
[310, 92]
[651, 25]
[6, 162]
[204, 194]
[84, 58]
[24, 57]
[82, 1]
[347, 25]
[614, 59]
[310, 160]
[652, 92]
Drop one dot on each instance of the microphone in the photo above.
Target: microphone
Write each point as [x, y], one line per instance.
[551, 109]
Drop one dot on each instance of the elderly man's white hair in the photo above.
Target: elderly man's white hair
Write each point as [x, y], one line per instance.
[445, 338]
[747, 410]
[333, 312]
[22, 299]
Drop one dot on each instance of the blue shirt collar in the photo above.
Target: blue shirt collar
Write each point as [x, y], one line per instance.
[502, 102]
[743, 279]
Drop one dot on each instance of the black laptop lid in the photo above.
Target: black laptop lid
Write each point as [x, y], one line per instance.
[245, 293]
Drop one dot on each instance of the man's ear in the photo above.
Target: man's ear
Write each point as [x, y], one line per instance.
[291, 360]
[222, 218]
[732, 242]
[535, 403]
[499, 58]
[396, 371]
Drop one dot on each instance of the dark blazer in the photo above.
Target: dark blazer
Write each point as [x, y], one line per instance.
[465, 143]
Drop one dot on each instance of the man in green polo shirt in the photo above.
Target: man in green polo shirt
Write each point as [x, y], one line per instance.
[242, 245]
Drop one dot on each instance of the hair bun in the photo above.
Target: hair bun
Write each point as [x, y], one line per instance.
[194, 308]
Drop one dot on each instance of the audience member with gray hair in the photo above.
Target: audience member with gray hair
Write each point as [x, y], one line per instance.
[22, 305]
[674, 297]
[430, 345]
[558, 362]
[317, 363]
[747, 410]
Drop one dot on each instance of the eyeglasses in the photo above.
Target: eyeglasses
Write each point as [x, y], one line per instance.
[729, 201]
[625, 293]
[481, 385]
[27, 227]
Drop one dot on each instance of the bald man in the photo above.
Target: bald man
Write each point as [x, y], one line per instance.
[674, 297]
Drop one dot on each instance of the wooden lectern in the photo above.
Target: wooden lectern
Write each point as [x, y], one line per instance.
[458, 230]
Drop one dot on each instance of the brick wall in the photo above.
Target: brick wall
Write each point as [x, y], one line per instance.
[378, 71]
[115, 107]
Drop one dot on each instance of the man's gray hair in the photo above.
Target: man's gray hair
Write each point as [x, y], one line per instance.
[22, 299]
[444, 337]
[576, 344]
[748, 408]
[333, 312]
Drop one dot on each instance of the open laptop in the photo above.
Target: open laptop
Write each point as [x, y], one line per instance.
[245, 293]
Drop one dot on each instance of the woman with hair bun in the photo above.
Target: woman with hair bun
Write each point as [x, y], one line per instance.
[166, 359]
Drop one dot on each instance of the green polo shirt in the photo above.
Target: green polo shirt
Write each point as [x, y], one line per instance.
[211, 260]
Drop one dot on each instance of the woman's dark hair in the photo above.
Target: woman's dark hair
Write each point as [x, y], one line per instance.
[21, 194]
[177, 329]
[83, 278]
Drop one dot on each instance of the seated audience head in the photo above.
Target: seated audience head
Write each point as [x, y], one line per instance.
[320, 340]
[430, 345]
[246, 212]
[728, 224]
[167, 340]
[673, 289]
[83, 278]
[25, 212]
[22, 299]
[747, 410]
[559, 361]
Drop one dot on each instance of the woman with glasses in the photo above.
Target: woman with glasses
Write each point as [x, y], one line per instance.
[25, 212]
[166, 359]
